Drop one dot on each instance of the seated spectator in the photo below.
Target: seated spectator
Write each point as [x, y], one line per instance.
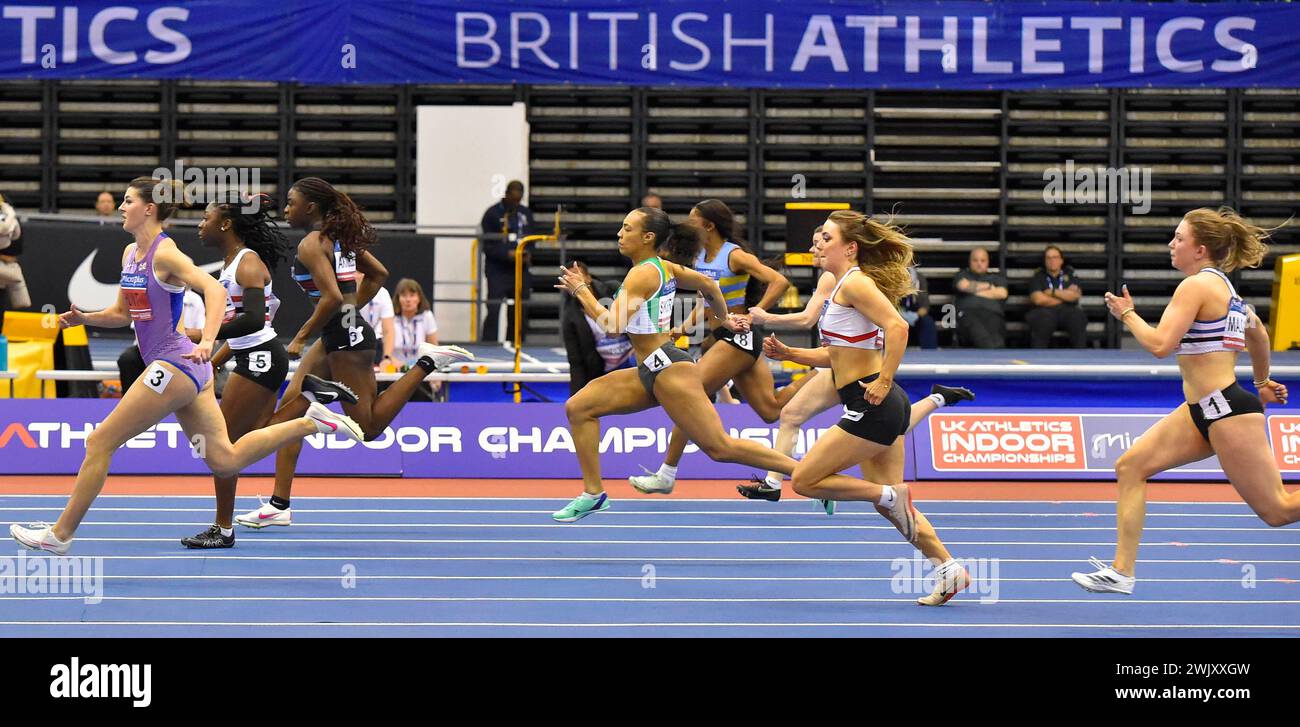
[413, 324]
[981, 303]
[379, 314]
[915, 309]
[13, 286]
[652, 200]
[592, 352]
[104, 204]
[1054, 292]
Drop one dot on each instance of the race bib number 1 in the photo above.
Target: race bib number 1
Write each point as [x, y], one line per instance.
[156, 377]
[1215, 406]
[658, 361]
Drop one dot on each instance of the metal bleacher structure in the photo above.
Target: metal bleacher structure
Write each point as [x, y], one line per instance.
[961, 169]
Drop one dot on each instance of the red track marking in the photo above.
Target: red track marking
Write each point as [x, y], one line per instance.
[560, 489]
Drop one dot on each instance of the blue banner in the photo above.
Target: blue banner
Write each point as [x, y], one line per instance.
[797, 44]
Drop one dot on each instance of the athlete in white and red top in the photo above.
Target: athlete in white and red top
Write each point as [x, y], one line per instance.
[1206, 325]
[870, 259]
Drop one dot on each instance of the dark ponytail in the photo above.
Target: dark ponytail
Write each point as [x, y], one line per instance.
[341, 219]
[676, 243]
[717, 212]
[252, 219]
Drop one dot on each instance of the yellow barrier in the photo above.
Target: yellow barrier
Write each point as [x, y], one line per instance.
[1284, 317]
[31, 349]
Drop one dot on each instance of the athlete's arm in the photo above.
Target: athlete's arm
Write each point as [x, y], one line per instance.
[252, 276]
[172, 264]
[376, 274]
[641, 282]
[1163, 339]
[1257, 345]
[222, 355]
[861, 292]
[705, 286]
[774, 349]
[776, 282]
[321, 266]
[807, 318]
[114, 316]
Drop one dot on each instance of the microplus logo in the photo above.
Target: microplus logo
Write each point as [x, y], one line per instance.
[103, 681]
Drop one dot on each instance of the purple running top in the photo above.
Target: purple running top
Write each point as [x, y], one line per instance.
[155, 307]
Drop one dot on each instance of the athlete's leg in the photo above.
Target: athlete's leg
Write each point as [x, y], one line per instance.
[816, 396]
[246, 405]
[294, 406]
[140, 408]
[720, 364]
[1248, 462]
[203, 423]
[618, 392]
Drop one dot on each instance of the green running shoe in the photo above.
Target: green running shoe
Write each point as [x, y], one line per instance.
[580, 507]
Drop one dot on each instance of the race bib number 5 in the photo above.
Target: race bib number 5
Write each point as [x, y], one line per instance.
[156, 377]
[658, 361]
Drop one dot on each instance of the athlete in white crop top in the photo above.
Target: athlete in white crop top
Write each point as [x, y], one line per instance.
[1207, 325]
[876, 410]
[819, 393]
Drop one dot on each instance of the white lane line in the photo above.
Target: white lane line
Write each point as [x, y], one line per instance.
[592, 526]
[544, 541]
[800, 502]
[596, 599]
[632, 578]
[617, 512]
[875, 625]
[643, 559]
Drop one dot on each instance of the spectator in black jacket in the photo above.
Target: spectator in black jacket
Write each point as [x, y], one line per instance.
[1054, 293]
[592, 352]
[499, 257]
[981, 301]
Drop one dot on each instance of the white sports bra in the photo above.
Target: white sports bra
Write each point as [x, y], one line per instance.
[1224, 334]
[844, 326]
[235, 306]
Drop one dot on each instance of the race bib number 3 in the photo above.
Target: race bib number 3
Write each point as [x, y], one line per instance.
[156, 377]
[1215, 406]
[355, 336]
[658, 361]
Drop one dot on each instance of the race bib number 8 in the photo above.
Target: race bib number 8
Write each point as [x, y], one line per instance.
[658, 361]
[156, 377]
[745, 340]
[1215, 406]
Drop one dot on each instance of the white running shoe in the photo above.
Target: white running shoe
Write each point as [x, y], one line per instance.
[1105, 580]
[443, 356]
[265, 515]
[948, 582]
[651, 483]
[902, 514]
[328, 422]
[39, 536]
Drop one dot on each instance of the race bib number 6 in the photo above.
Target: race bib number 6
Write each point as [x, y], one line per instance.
[156, 377]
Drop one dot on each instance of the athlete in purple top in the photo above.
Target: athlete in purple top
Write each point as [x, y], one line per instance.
[177, 378]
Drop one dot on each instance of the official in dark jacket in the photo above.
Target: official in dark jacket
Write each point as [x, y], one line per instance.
[499, 257]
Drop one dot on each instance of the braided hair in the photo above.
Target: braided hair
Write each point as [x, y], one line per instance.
[253, 222]
[342, 220]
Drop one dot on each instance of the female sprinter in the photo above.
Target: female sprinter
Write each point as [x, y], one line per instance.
[1206, 325]
[727, 260]
[177, 377]
[666, 376]
[869, 260]
[252, 247]
[819, 393]
[337, 246]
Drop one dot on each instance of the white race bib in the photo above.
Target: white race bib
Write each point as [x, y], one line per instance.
[1215, 406]
[355, 336]
[744, 340]
[259, 362]
[156, 377]
[658, 361]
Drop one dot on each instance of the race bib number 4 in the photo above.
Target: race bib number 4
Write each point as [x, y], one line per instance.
[658, 361]
[156, 377]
